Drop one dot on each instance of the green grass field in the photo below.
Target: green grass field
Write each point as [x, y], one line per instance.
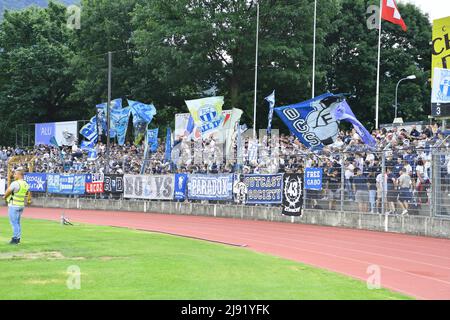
[126, 264]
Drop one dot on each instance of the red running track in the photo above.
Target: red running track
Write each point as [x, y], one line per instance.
[416, 266]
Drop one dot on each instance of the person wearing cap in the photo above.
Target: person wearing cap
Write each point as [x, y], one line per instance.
[15, 196]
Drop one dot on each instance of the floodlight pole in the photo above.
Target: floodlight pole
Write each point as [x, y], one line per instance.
[108, 112]
[256, 69]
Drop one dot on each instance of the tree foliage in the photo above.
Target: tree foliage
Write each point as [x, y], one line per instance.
[166, 52]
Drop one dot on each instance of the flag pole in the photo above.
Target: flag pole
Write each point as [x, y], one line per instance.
[256, 69]
[377, 102]
[314, 51]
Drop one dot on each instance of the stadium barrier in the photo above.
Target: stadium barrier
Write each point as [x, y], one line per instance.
[414, 225]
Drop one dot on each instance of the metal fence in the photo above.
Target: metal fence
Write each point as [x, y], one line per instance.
[413, 182]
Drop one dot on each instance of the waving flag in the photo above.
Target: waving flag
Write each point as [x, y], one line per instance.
[312, 121]
[207, 113]
[87, 145]
[168, 154]
[116, 104]
[390, 13]
[89, 131]
[271, 100]
[152, 139]
[119, 121]
[142, 115]
[343, 112]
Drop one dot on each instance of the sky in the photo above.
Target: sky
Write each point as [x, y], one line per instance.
[435, 8]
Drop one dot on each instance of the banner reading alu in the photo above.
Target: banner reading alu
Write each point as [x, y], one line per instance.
[154, 187]
[216, 187]
[264, 188]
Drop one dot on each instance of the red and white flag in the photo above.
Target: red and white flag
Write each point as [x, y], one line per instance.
[390, 13]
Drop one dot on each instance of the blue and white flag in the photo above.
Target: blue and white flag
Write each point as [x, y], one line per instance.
[87, 145]
[207, 113]
[152, 139]
[102, 116]
[441, 86]
[343, 112]
[119, 123]
[312, 121]
[89, 131]
[142, 115]
[271, 100]
[168, 154]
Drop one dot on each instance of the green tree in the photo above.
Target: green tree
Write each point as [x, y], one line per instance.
[35, 60]
[353, 62]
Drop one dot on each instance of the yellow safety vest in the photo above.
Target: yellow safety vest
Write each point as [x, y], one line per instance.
[17, 199]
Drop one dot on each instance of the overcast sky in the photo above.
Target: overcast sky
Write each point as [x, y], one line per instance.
[435, 8]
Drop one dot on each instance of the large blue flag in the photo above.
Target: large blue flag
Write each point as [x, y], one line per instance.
[316, 122]
[142, 115]
[312, 121]
[119, 123]
[271, 100]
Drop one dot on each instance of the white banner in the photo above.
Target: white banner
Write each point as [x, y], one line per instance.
[2, 186]
[441, 86]
[154, 187]
[66, 133]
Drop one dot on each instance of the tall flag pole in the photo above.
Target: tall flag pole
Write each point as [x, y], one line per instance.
[256, 68]
[314, 51]
[377, 102]
[389, 12]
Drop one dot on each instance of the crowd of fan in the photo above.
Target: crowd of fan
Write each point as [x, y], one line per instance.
[407, 155]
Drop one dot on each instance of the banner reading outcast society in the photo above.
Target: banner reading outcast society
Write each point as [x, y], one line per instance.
[264, 188]
[157, 187]
[210, 187]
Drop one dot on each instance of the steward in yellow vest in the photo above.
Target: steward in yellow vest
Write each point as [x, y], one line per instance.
[15, 196]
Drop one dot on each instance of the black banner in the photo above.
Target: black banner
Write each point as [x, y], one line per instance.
[293, 194]
[113, 183]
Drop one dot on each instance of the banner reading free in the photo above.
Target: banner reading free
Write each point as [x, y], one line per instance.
[264, 189]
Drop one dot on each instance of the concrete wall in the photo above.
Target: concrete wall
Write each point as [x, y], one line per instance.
[415, 225]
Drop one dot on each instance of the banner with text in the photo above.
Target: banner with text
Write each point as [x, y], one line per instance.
[66, 183]
[264, 188]
[292, 194]
[95, 183]
[113, 183]
[180, 186]
[36, 181]
[210, 187]
[157, 187]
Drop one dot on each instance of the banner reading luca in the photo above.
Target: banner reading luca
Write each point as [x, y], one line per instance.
[94, 183]
[265, 189]
[207, 113]
[293, 194]
[36, 181]
[66, 184]
[158, 187]
[210, 187]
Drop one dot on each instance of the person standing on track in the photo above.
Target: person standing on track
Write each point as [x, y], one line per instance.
[15, 196]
